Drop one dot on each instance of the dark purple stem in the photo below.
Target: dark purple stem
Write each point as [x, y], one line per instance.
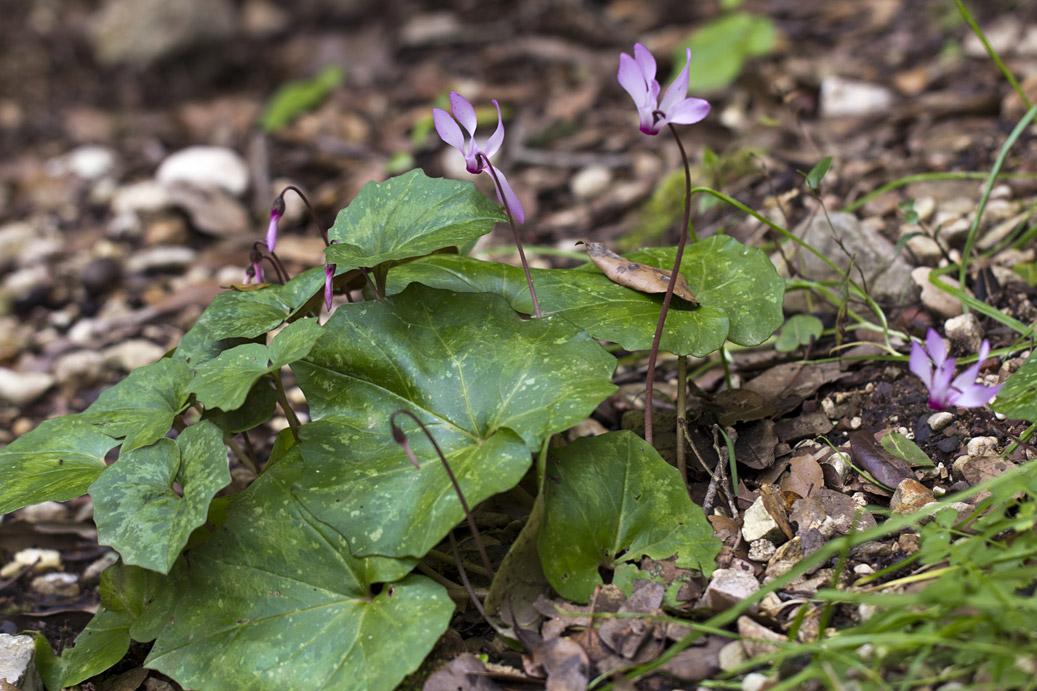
[313, 214]
[400, 437]
[654, 353]
[514, 231]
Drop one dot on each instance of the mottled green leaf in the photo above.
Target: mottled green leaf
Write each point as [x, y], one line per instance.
[138, 511]
[612, 499]
[1017, 399]
[409, 216]
[142, 406]
[275, 600]
[56, 461]
[798, 331]
[600, 307]
[100, 645]
[906, 450]
[226, 380]
[258, 407]
[732, 277]
[489, 385]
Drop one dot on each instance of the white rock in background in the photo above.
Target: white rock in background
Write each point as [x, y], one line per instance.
[18, 663]
[758, 524]
[590, 182]
[88, 162]
[938, 421]
[939, 302]
[205, 166]
[57, 584]
[146, 196]
[79, 368]
[22, 388]
[162, 258]
[139, 32]
[965, 331]
[847, 98]
[727, 587]
[129, 355]
[42, 558]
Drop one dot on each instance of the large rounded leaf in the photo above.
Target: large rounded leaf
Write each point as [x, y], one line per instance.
[611, 499]
[1018, 397]
[56, 461]
[409, 216]
[275, 600]
[489, 385]
[600, 307]
[138, 511]
[733, 277]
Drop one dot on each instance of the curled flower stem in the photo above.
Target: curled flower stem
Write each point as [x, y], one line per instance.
[653, 355]
[279, 268]
[313, 214]
[514, 231]
[464, 576]
[400, 437]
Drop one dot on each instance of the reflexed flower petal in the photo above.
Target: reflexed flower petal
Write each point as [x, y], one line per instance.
[679, 89]
[631, 78]
[493, 143]
[463, 111]
[920, 364]
[510, 199]
[935, 346]
[688, 112]
[645, 61]
[271, 231]
[976, 395]
[329, 278]
[447, 128]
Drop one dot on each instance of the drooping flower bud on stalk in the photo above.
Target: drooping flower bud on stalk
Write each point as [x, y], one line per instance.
[276, 212]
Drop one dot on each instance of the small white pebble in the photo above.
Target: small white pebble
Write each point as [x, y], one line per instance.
[938, 421]
[856, 422]
[863, 570]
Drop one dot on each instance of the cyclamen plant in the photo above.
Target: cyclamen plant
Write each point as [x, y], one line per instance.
[313, 575]
[931, 364]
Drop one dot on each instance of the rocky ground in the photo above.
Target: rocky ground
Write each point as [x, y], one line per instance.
[135, 177]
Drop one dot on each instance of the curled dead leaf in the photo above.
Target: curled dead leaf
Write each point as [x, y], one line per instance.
[640, 277]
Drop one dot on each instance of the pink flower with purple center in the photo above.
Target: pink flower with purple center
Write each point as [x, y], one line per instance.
[936, 370]
[637, 76]
[476, 156]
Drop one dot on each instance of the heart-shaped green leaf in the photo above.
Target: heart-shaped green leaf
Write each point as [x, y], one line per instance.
[409, 216]
[798, 331]
[100, 645]
[611, 499]
[142, 406]
[137, 510]
[258, 408]
[225, 381]
[489, 386]
[56, 461]
[728, 275]
[274, 599]
[600, 307]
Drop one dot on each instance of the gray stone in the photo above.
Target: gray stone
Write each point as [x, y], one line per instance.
[79, 368]
[89, 162]
[758, 524]
[849, 98]
[22, 388]
[590, 182]
[161, 259]
[205, 167]
[15, 236]
[728, 587]
[965, 332]
[146, 196]
[761, 550]
[886, 272]
[129, 355]
[924, 249]
[940, 420]
[937, 301]
[92, 573]
[732, 656]
[18, 664]
[140, 32]
[56, 584]
[981, 446]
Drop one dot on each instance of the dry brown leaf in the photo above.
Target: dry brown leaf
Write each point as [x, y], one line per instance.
[805, 476]
[640, 277]
[775, 505]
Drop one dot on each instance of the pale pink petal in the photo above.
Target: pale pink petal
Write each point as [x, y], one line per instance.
[976, 395]
[688, 112]
[329, 278]
[920, 364]
[645, 61]
[448, 130]
[631, 79]
[510, 199]
[463, 111]
[493, 143]
[936, 347]
[271, 232]
[678, 90]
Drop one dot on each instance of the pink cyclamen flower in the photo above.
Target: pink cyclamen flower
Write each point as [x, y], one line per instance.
[276, 212]
[637, 76]
[936, 370]
[450, 133]
[329, 281]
